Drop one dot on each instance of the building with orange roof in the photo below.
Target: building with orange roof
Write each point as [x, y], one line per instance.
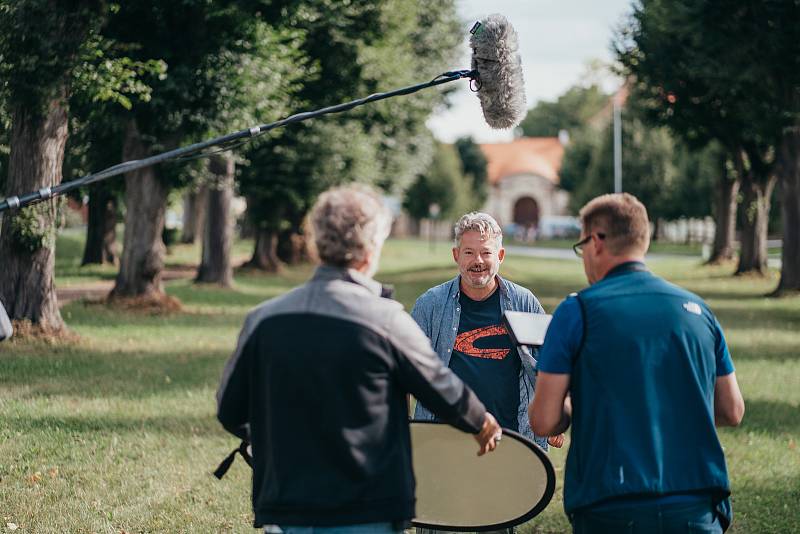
[523, 180]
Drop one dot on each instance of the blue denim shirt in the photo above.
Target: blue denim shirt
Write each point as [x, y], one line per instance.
[437, 312]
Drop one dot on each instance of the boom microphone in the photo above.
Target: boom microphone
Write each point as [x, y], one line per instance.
[496, 68]
[495, 57]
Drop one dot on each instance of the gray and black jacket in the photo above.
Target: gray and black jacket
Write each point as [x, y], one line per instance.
[318, 385]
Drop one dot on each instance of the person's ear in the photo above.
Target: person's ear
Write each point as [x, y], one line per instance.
[501, 254]
[456, 254]
[598, 244]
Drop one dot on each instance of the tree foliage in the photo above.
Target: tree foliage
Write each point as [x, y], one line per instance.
[443, 184]
[571, 112]
[729, 71]
[352, 50]
[672, 180]
[474, 167]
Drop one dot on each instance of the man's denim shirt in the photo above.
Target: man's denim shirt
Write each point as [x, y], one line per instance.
[437, 312]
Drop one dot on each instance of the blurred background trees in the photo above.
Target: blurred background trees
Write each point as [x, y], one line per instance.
[710, 126]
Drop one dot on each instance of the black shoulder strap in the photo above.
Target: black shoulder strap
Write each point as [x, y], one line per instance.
[228, 461]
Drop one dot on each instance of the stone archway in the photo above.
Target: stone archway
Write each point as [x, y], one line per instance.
[526, 212]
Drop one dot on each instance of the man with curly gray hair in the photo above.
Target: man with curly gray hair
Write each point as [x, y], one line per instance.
[319, 380]
[348, 228]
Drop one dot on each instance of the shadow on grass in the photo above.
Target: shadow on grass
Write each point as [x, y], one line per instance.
[768, 507]
[93, 314]
[771, 416]
[91, 374]
[211, 295]
[184, 425]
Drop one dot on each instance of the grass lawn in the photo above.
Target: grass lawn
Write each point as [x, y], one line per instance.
[115, 432]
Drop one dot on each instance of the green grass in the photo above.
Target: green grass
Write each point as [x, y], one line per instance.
[116, 431]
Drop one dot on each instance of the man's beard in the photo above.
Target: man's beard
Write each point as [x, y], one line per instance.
[485, 278]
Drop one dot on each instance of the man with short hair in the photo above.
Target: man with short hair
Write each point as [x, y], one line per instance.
[641, 370]
[318, 385]
[463, 319]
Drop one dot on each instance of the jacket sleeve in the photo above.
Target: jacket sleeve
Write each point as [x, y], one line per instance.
[233, 395]
[423, 375]
[532, 304]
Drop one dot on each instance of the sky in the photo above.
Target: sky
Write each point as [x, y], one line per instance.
[557, 40]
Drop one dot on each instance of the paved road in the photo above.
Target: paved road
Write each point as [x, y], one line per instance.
[568, 254]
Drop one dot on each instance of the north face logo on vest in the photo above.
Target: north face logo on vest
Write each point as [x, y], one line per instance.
[692, 307]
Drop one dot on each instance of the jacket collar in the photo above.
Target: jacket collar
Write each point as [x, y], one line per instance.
[624, 268]
[330, 272]
[455, 286]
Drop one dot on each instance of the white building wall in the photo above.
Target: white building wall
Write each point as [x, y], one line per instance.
[503, 196]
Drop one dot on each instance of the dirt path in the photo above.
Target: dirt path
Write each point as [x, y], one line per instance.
[99, 289]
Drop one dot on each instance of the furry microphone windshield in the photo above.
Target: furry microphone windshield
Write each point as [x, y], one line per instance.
[495, 57]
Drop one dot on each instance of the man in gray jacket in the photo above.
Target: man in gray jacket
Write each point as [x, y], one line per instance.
[319, 380]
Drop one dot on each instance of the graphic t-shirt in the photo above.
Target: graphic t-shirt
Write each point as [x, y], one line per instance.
[483, 357]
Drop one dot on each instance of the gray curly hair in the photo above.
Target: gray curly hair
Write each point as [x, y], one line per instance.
[347, 223]
[480, 222]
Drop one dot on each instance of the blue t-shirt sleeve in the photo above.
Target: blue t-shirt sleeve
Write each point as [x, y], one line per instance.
[723, 355]
[563, 338]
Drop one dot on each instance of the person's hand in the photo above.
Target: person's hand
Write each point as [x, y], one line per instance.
[489, 435]
[556, 441]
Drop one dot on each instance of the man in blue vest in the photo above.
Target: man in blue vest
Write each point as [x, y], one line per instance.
[641, 370]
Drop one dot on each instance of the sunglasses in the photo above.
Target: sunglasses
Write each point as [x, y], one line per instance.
[578, 247]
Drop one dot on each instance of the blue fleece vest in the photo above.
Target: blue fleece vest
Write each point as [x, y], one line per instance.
[643, 394]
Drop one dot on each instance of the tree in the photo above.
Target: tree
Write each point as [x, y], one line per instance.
[195, 203]
[672, 180]
[473, 166]
[103, 82]
[94, 145]
[41, 42]
[215, 266]
[443, 184]
[228, 67]
[355, 49]
[711, 71]
[571, 112]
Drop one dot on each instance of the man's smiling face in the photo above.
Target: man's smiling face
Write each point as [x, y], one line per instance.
[478, 257]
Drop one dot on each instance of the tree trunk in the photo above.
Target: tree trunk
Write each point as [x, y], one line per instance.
[195, 203]
[265, 253]
[27, 288]
[415, 228]
[292, 247]
[790, 184]
[756, 203]
[142, 260]
[101, 229]
[725, 196]
[215, 267]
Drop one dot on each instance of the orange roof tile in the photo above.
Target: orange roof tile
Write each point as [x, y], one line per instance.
[527, 155]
